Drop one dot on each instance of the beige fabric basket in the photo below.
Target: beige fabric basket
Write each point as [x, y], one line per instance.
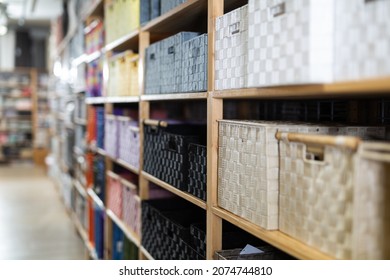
[316, 196]
[248, 168]
[371, 225]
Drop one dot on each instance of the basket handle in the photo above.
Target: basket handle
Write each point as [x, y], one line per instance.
[324, 140]
[375, 151]
[155, 123]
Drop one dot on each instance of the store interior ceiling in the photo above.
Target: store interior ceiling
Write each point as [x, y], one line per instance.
[25, 13]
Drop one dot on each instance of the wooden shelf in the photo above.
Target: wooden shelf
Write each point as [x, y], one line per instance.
[146, 253]
[122, 99]
[84, 236]
[79, 227]
[93, 56]
[125, 228]
[186, 16]
[95, 198]
[175, 96]
[129, 41]
[127, 166]
[276, 238]
[100, 151]
[184, 195]
[361, 88]
[95, 100]
[80, 188]
[13, 86]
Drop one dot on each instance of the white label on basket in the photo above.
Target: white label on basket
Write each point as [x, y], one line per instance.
[249, 249]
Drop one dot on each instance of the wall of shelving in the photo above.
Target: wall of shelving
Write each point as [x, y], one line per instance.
[92, 177]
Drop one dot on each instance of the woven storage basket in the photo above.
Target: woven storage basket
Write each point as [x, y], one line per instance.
[129, 144]
[316, 191]
[197, 174]
[114, 194]
[248, 168]
[111, 135]
[371, 224]
[290, 42]
[131, 206]
[165, 228]
[361, 39]
[231, 49]
[166, 150]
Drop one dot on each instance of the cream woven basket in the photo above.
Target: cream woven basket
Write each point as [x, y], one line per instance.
[334, 193]
[248, 168]
[371, 219]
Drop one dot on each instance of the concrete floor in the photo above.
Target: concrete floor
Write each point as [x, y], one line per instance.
[33, 220]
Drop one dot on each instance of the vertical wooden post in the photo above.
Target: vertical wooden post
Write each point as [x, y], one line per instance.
[144, 112]
[214, 112]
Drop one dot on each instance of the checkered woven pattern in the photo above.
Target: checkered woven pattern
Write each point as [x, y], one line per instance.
[362, 43]
[167, 5]
[316, 197]
[152, 69]
[111, 135]
[248, 171]
[231, 49]
[129, 144]
[194, 64]
[371, 224]
[131, 209]
[289, 42]
[248, 167]
[114, 199]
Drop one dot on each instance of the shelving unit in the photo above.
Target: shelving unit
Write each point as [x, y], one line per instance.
[23, 87]
[197, 15]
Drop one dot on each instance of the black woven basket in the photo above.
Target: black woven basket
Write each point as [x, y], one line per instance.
[166, 152]
[166, 226]
[197, 173]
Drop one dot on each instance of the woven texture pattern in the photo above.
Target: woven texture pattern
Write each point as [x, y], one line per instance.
[114, 196]
[371, 226]
[129, 143]
[362, 44]
[248, 166]
[231, 49]
[197, 174]
[152, 68]
[131, 209]
[165, 229]
[166, 152]
[283, 42]
[316, 197]
[194, 64]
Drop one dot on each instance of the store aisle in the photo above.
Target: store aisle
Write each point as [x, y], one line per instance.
[33, 220]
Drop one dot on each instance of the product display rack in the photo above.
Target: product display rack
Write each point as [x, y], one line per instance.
[35, 114]
[191, 16]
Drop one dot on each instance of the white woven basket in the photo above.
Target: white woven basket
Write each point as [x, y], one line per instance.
[371, 226]
[248, 168]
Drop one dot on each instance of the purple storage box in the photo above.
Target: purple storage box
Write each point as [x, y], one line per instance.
[129, 143]
[111, 135]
